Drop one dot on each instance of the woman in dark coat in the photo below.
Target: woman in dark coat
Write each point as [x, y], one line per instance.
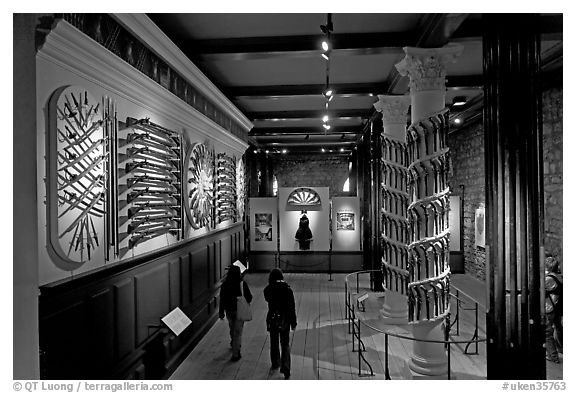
[229, 291]
[281, 317]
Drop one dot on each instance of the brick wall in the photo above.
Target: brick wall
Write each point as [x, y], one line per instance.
[321, 170]
[467, 154]
[552, 154]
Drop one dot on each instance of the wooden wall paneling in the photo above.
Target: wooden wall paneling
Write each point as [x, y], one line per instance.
[185, 281]
[219, 259]
[124, 317]
[213, 263]
[174, 282]
[61, 339]
[226, 251]
[199, 274]
[242, 255]
[151, 289]
[100, 329]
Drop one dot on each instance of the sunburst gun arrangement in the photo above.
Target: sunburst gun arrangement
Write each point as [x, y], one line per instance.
[149, 189]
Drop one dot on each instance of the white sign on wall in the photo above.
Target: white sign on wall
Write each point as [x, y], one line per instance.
[480, 227]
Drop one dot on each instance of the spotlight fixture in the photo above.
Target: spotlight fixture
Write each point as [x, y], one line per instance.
[341, 149]
[267, 151]
[325, 45]
[255, 151]
[457, 121]
[325, 118]
[323, 150]
[328, 92]
[326, 56]
[326, 126]
[459, 101]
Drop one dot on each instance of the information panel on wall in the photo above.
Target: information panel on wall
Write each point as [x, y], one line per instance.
[454, 220]
[263, 224]
[345, 224]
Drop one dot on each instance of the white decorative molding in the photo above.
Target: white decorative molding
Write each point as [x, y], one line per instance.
[73, 50]
[426, 67]
[394, 109]
[142, 27]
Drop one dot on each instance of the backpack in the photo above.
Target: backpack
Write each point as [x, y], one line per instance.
[553, 300]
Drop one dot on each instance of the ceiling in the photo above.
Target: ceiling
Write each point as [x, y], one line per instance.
[270, 66]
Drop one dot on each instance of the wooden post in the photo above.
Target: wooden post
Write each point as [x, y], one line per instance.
[514, 196]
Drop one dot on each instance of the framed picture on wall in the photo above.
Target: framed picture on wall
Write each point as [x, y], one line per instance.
[345, 221]
[263, 227]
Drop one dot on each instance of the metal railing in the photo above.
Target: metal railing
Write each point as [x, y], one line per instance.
[354, 325]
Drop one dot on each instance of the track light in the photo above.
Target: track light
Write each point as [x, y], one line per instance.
[325, 45]
[284, 151]
[326, 56]
[323, 150]
[326, 126]
[325, 118]
[459, 101]
[328, 92]
[457, 121]
[341, 150]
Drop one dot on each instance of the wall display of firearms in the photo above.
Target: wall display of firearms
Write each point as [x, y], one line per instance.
[77, 158]
[199, 184]
[149, 185]
[226, 208]
[240, 188]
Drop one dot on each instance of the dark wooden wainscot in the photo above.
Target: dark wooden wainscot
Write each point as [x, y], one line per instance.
[106, 324]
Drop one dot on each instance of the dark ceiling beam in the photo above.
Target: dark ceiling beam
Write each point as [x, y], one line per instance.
[307, 114]
[308, 143]
[456, 82]
[312, 131]
[301, 43]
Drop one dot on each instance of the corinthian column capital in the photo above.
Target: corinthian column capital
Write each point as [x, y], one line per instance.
[426, 67]
[394, 108]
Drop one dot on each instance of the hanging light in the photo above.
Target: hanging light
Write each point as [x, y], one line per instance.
[325, 118]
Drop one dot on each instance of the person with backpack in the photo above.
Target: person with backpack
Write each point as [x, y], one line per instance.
[280, 318]
[553, 308]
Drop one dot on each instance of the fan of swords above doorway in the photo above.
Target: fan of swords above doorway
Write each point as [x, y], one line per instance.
[112, 188]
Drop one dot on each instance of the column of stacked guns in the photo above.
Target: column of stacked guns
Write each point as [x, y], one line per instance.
[226, 188]
[428, 289]
[150, 196]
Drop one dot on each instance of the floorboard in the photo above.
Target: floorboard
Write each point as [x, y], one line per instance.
[321, 346]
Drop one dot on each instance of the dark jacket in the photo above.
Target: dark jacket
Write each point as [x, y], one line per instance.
[228, 294]
[280, 297]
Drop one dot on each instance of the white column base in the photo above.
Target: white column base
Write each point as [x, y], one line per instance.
[395, 308]
[429, 359]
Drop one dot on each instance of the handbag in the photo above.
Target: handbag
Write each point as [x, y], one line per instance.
[243, 312]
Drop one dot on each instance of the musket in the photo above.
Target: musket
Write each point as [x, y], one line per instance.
[154, 198]
[148, 165]
[160, 155]
[143, 139]
[147, 192]
[149, 179]
[154, 129]
[135, 240]
[146, 225]
[157, 136]
[142, 174]
[137, 211]
[149, 184]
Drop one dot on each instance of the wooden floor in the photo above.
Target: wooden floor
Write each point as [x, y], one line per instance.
[321, 345]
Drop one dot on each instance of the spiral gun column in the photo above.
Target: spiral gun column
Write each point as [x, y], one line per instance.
[428, 166]
[394, 202]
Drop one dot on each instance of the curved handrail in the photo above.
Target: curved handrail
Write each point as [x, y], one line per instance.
[351, 314]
